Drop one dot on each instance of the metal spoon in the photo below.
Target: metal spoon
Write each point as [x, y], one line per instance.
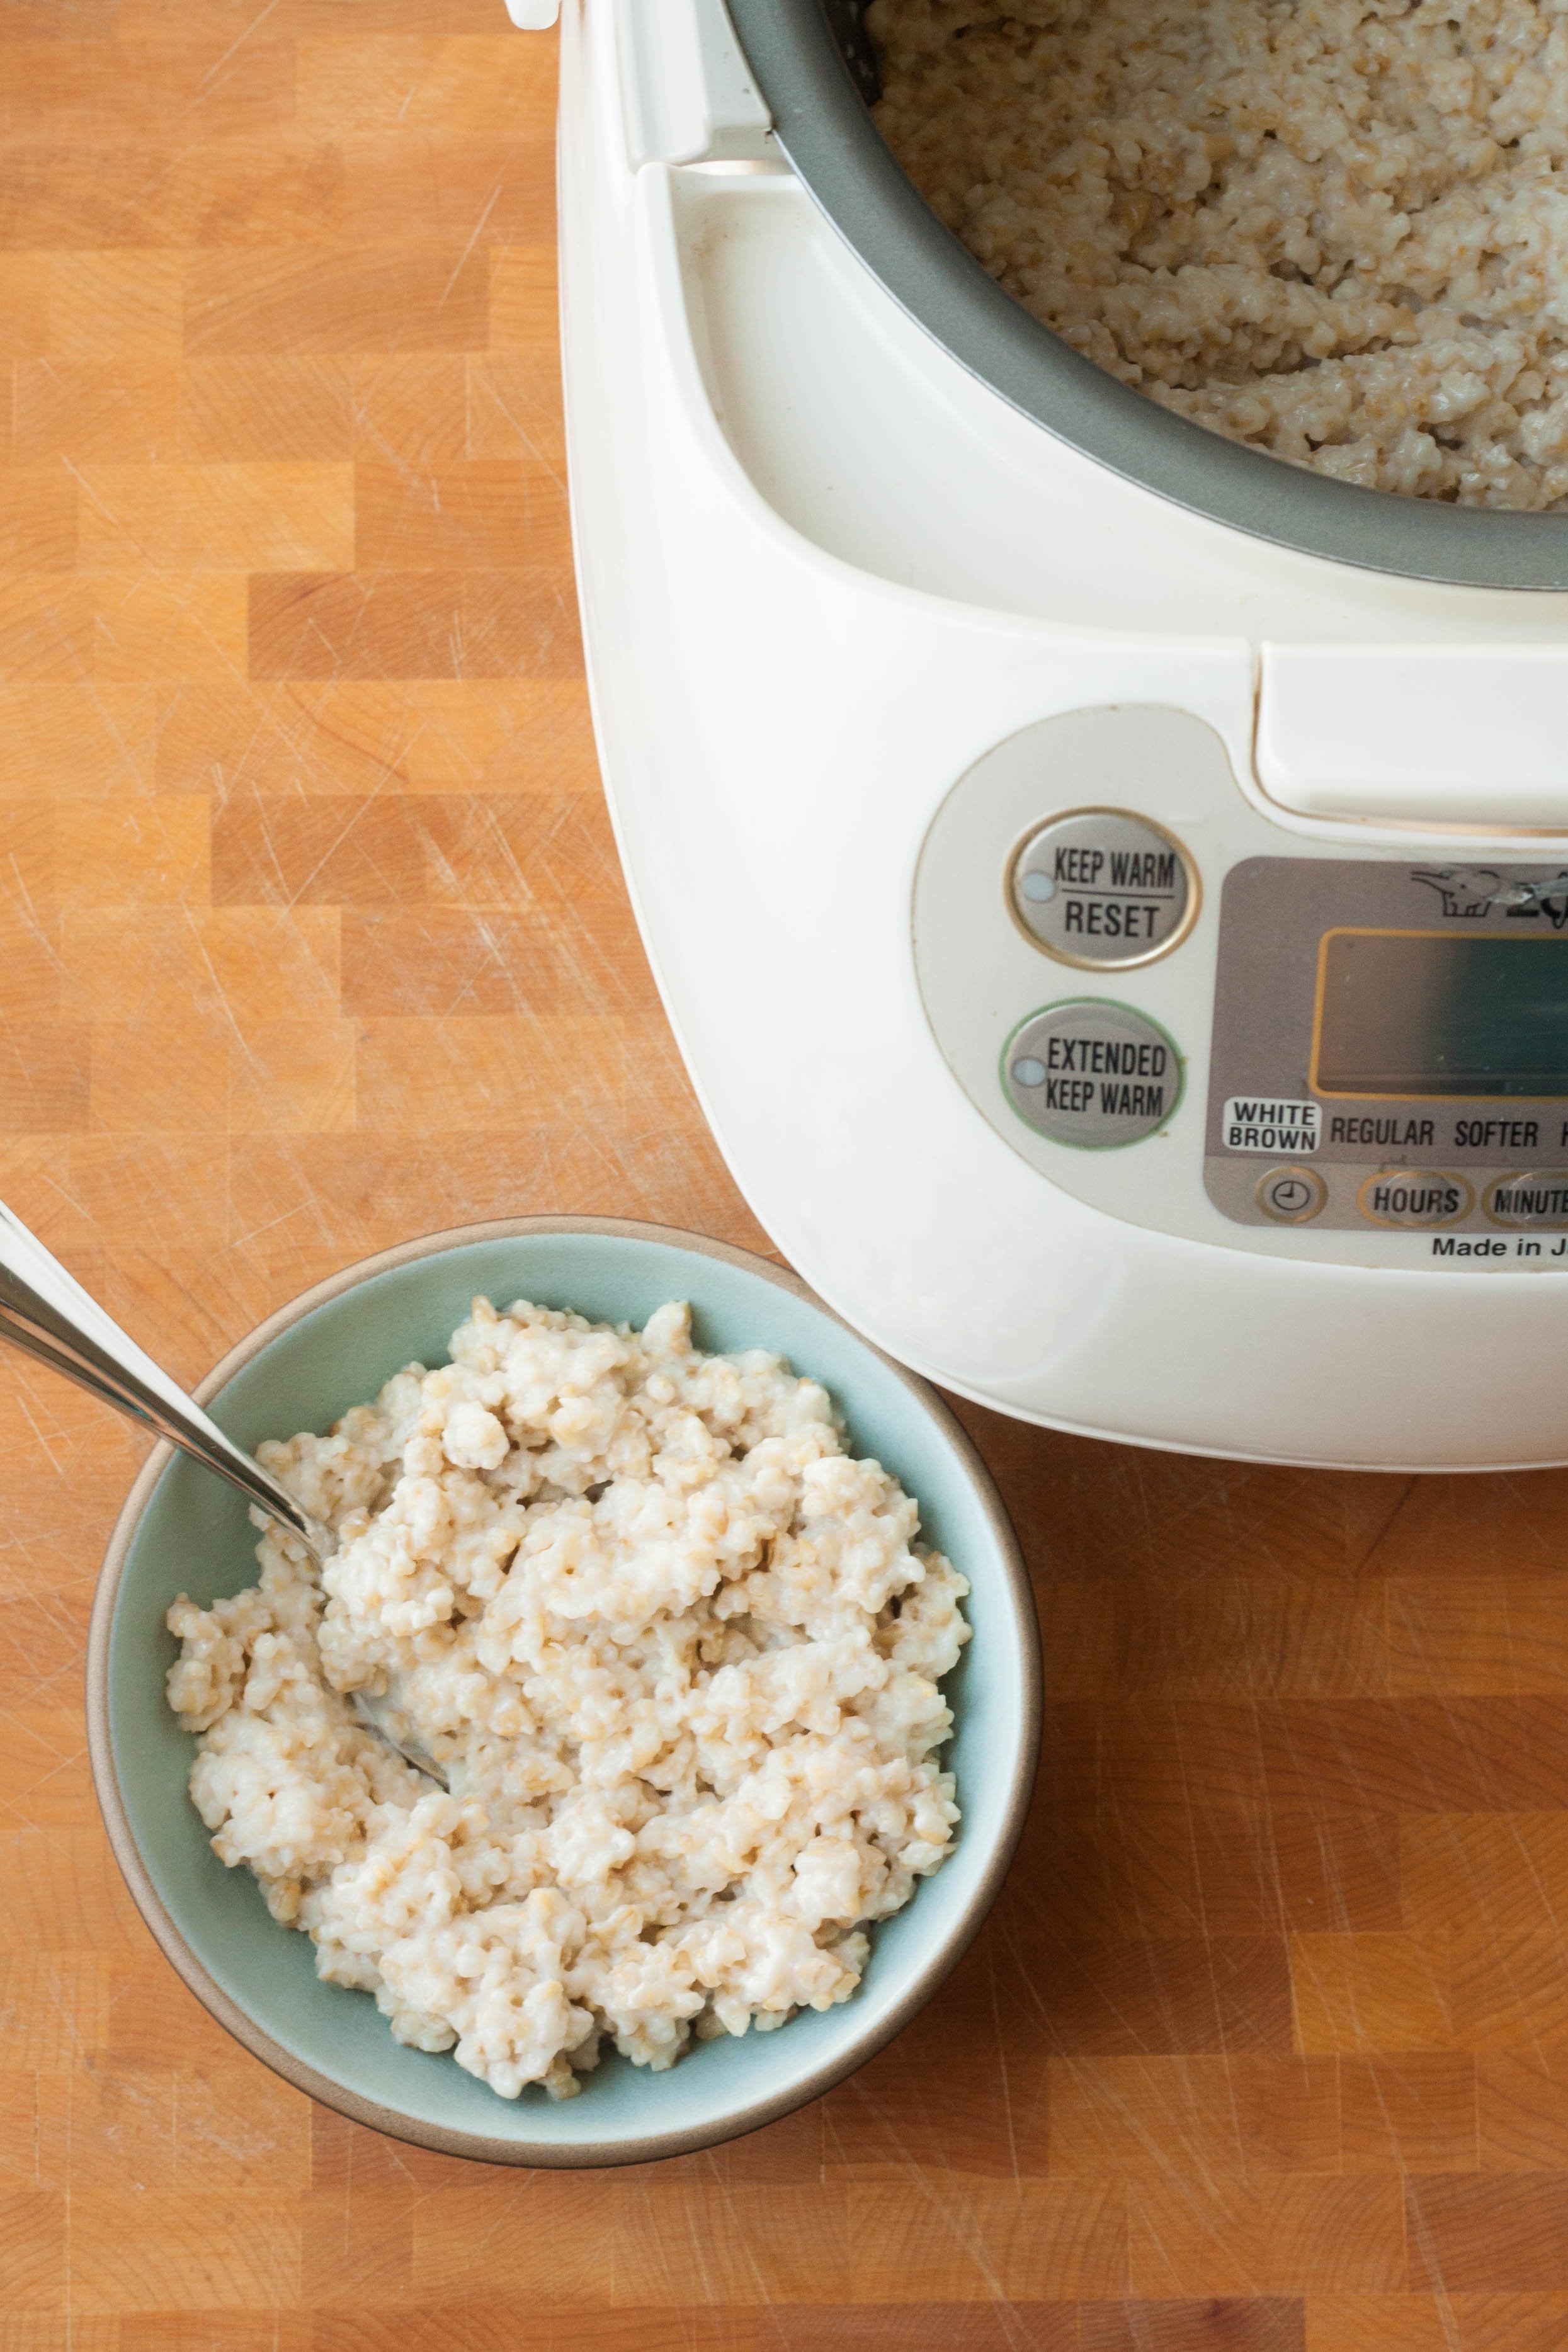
[45, 1311]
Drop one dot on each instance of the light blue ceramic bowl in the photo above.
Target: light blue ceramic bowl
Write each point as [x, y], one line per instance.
[183, 1530]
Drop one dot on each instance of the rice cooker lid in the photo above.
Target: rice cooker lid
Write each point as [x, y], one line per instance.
[815, 69]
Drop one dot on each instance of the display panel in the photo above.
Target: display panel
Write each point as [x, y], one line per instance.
[1429, 1014]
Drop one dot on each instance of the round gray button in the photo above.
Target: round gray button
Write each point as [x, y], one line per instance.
[1291, 1196]
[1525, 1201]
[1103, 888]
[1091, 1073]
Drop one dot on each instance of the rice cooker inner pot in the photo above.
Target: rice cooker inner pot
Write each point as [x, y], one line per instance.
[817, 72]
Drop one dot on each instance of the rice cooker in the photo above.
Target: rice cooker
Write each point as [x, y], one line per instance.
[1110, 887]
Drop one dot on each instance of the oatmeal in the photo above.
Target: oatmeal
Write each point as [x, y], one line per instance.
[1333, 230]
[677, 1653]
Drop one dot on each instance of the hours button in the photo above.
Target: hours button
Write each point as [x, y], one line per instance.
[1420, 1197]
[1102, 888]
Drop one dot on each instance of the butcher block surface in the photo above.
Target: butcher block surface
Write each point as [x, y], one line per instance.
[312, 938]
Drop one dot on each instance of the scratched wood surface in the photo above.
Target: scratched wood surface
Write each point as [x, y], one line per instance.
[311, 938]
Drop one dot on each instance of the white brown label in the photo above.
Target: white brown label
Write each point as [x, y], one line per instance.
[1283, 1130]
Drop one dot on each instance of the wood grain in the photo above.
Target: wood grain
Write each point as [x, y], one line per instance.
[312, 937]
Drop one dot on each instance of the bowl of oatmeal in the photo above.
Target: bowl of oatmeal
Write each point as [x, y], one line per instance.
[684, 1607]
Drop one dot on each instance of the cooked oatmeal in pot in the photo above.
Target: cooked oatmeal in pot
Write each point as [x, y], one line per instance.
[675, 1650]
[1336, 231]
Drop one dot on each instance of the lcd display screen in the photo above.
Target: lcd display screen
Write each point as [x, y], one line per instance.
[1409, 1012]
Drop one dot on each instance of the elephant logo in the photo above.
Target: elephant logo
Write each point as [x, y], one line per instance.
[1465, 890]
[1473, 891]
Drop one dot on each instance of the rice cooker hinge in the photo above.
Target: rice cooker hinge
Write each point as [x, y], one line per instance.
[686, 93]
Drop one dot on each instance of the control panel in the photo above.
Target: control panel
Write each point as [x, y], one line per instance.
[1200, 1020]
[1390, 1046]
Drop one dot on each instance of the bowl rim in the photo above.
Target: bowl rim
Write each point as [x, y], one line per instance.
[446, 2140]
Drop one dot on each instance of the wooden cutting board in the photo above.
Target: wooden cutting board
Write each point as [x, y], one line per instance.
[311, 938]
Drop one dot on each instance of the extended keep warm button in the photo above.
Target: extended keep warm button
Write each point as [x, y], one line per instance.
[1091, 1073]
[1417, 1197]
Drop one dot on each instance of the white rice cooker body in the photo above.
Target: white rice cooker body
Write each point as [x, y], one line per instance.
[886, 679]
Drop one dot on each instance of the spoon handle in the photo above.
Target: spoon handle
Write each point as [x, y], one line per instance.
[45, 1311]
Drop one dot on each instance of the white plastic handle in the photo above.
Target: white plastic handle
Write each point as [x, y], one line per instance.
[533, 15]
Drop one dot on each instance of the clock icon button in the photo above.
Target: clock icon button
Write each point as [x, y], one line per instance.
[1291, 1196]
